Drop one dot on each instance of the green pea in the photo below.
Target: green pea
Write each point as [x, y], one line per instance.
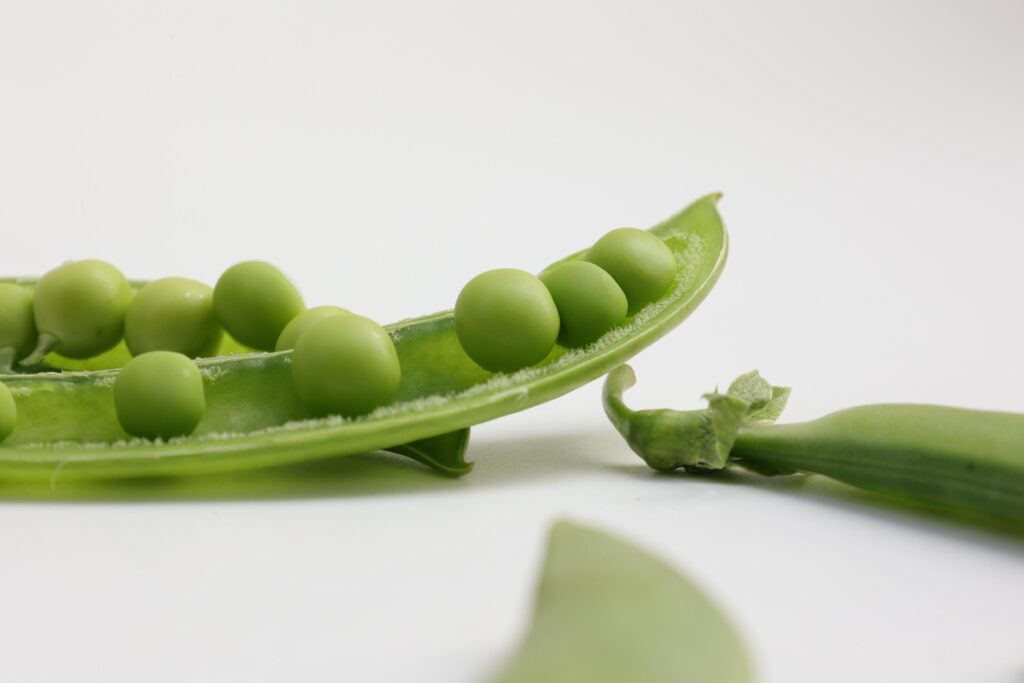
[159, 394]
[345, 365]
[173, 314]
[506, 320]
[17, 324]
[8, 412]
[300, 323]
[588, 299]
[254, 301]
[79, 309]
[640, 262]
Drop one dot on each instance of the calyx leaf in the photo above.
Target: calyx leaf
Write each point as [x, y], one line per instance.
[694, 439]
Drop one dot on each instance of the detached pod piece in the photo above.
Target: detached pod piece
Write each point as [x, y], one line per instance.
[254, 417]
[79, 309]
[953, 460]
[254, 301]
[17, 324]
[950, 459]
[173, 314]
[609, 612]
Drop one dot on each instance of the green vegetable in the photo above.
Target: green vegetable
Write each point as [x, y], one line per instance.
[67, 428]
[173, 314]
[79, 309]
[642, 265]
[159, 395]
[951, 459]
[17, 324]
[608, 612]
[300, 323]
[345, 365]
[506, 320]
[254, 301]
[8, 412]
[588, 299]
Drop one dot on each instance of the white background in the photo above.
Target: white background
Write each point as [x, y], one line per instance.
[872, 159]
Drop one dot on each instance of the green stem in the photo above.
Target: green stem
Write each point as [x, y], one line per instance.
[967, 461]
[7, 355]
[47, 342]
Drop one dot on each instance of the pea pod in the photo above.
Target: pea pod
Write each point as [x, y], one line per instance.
[951, 459]
[67, 427]
[609, 612]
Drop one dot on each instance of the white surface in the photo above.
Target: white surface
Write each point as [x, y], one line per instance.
[872, 156]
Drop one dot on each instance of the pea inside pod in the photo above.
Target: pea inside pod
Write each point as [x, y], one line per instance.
[79, 309]
[345, 365]
[17, 324]
[254, 302]
[302, 322]
[159, 395]
[588, 299]
[506, 320]
[173, 314]
[640, 262]
[68, 431]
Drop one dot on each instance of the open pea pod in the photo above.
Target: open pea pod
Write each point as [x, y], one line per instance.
[67, 427]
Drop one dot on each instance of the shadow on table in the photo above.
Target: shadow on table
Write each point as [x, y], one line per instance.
[817, 490]
[498, 462]
[504, 461]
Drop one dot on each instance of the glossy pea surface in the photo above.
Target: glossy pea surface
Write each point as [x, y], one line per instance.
[302, 322]
[345, 365]
[159, 394]
[17, 323]
[638, 261]
[588, 299]
[82, 305]
[505, 320]
[254, 302]
[173, 314]
[8, 412]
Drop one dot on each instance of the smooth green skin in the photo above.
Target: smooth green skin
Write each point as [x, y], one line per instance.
[80, 307]
[173, 314]
[588, 299]
[17, 324]
[345, 365]
[254, 302]
[159, 395]
[8, 412]
[951, 458]
[640, 263]
[609, 612]
[61, 417]
[506, 320]
[302, 322]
